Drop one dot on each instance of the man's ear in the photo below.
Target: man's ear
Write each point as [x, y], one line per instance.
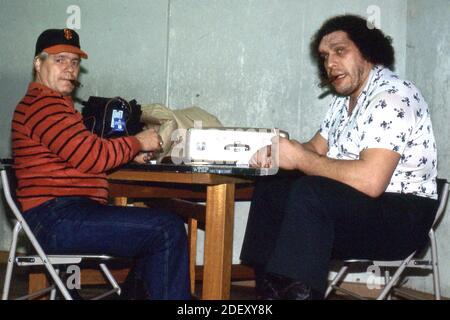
[37, 63]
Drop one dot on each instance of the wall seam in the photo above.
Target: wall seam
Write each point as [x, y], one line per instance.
[167, 71]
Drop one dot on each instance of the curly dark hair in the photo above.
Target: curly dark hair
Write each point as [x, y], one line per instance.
[374, 46]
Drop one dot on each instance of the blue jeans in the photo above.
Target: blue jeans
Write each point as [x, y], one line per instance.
[155, 239]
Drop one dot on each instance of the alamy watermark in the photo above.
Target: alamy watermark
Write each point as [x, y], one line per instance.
[373, 17]
[74, 19]
[374, 280]
[73, 281]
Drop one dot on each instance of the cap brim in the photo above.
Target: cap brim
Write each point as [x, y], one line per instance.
[66, 48]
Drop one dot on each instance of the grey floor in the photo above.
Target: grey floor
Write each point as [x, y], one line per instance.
[239, 290]
[19, 287]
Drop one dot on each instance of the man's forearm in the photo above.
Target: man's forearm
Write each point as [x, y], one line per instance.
[317, 144]
[354, 173]
[370, 173]
[310, 147]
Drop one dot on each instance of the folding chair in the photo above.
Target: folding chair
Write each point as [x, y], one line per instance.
[414, 260]
[51, 262]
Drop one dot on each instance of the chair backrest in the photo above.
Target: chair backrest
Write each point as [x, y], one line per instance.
[9, 190]
[442, 190]
[8, 183]
[6, 176]
[6, 172]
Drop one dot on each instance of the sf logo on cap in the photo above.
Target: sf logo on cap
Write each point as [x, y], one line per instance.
[68, 34]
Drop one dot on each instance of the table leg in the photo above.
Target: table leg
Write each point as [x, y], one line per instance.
[218, 241]
[36, 282]
[192, 241]
[120, 201]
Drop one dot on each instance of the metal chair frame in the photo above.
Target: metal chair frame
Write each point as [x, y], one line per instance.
[51, 262]
[412, 261]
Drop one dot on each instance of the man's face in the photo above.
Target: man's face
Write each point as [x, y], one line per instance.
[58, 71]
[346, 68]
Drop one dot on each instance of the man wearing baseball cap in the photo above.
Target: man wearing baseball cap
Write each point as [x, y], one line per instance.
[59, 40]
[62, 186]
[60, 71]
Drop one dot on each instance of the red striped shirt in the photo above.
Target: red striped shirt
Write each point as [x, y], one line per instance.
[55, 155]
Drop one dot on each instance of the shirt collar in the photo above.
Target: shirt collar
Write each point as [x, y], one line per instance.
[371, 83]
[46, 90]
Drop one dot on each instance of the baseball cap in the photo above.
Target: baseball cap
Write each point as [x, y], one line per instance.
[59, 40]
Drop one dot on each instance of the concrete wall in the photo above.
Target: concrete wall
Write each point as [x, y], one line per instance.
[245, 61]
[428, 66]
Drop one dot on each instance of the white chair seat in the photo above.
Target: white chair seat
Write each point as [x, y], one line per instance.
[58, 259]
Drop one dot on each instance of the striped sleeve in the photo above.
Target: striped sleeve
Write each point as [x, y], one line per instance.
[59, 127]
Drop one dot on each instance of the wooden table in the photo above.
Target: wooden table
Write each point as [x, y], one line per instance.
[220, 197]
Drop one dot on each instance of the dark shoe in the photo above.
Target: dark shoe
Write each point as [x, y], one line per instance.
[299, 291]
[133, 288]
[270, 286]
[276, 287]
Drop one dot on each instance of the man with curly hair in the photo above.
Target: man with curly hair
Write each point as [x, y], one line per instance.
[366, 182]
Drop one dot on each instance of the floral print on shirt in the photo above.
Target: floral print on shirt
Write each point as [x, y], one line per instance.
[392, 114]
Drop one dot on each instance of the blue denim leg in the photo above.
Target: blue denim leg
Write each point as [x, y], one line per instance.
[155, 238]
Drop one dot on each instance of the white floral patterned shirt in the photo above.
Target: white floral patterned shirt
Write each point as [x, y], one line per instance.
[391, 114]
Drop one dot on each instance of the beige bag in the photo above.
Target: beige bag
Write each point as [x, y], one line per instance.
[165, 121]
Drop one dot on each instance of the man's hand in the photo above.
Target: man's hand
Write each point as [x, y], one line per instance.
[143, 157]
[262, 158]
[290, 154]
[150, 140]
[283, 153]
